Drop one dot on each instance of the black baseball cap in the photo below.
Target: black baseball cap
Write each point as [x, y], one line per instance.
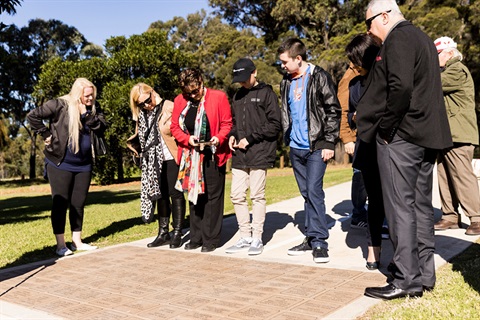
[242, 69]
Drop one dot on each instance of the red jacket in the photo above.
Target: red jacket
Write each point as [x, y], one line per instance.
[219, 117]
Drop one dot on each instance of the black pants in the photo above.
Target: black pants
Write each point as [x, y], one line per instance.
[69, 191]
[206, 216]
[406, 172]
[168, 179]
[366, 161]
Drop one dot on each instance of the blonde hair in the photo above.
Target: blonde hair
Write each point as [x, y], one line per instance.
[135, 93]
[73, 102]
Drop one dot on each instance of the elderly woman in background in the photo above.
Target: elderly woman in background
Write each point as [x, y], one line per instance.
[201, 122]
[69, 156]
[457, 182]
[159, 164]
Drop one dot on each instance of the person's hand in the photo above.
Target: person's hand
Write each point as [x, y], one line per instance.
[215, 141]
[327, 154]
[192, 141]
[232, 143]
[243, 144]
[48, 141]
[350, 147]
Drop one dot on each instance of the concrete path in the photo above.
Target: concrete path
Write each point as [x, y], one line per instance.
[131, 281]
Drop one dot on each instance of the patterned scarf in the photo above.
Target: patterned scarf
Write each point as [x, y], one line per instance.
[190, 174]
[152, 159]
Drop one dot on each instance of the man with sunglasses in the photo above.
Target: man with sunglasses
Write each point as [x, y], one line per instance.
[402, 111]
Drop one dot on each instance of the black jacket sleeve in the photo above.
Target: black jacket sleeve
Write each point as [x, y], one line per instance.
[271, 127]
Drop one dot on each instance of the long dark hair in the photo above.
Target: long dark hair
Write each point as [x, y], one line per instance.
[362, 50]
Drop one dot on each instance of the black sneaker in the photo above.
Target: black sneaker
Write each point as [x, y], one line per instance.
[320, 255]
[300, 249]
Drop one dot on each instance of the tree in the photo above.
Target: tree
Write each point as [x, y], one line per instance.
[248, 13]
[317, 22]
[22, 53]
[148, 58]
[214, 46]
[8, 6]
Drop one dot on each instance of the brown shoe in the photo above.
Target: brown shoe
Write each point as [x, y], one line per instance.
[445, 224]
[473, 229]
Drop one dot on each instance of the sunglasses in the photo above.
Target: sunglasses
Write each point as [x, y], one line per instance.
[147, 101]
[368, 22]
[193, 92]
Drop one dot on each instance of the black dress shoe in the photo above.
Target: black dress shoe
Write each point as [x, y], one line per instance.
[209, 248]
[373, 265]
[428, 288]
[192, 245]
[390, 292]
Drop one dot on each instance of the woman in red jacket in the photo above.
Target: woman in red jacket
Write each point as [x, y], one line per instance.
[201, 122]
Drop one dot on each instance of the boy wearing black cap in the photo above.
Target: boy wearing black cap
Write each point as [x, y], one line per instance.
[253, 140]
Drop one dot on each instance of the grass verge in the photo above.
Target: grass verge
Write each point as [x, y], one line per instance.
[112, 213]
[456, 294]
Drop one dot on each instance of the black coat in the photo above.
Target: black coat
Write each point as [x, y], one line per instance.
[55, 111]
[403, 93]
[256, 117]
[323, 110]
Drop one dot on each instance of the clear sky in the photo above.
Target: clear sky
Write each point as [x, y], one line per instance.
[99, 20]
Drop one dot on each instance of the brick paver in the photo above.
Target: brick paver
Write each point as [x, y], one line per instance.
[133, 282]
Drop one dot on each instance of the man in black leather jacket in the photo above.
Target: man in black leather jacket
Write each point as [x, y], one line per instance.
[311, 124]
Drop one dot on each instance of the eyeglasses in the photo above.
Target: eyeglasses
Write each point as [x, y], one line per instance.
[193, 92]
[368, 22]
[147, 101]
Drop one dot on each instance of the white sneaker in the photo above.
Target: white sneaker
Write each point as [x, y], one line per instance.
[83, 247]
[63, 252]
[242, 245]
[256, 247]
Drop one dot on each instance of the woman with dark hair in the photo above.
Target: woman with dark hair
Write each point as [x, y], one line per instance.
[69, 156]
[201, 122]
[159, 164]
[361, 52]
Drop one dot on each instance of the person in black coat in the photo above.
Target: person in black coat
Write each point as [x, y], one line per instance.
[253, 141]
[402, 110]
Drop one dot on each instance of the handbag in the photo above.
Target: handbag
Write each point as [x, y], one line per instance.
[133, 144]
[99, 145]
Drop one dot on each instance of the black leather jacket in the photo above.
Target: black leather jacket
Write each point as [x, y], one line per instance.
[56, 112]
[323, 110]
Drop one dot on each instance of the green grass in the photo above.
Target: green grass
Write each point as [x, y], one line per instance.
[456, 294]
[112, 214]
[113, 217]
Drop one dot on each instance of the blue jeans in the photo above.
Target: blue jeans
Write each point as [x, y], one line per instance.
[309, 169]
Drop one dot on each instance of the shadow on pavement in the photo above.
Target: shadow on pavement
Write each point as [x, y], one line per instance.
[49, 251]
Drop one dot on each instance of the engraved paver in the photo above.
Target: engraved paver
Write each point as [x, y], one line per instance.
[132, 282]
[164, 284]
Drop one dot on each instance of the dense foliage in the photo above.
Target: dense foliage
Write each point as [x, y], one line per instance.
[48, 56]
